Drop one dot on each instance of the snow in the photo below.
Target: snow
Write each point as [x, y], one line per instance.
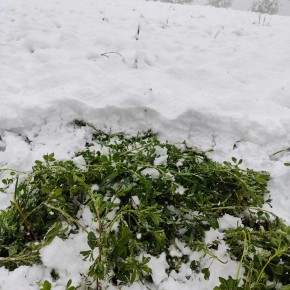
[162, 156]
[68, 261]
[213, 77]
[227, 221]
[180, 190]
[152, 172]
[135, 201]
[158, 266]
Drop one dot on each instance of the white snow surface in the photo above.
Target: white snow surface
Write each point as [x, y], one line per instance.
[212, 77]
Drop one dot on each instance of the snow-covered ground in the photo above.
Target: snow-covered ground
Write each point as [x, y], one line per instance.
[213, 77]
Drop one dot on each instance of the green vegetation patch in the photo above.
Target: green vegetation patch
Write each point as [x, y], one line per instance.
[144, 195]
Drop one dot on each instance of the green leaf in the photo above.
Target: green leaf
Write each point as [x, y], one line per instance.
[125, 236]
[46, 286]
[57, 192]
[122, 277]
[133, 276]
[53, 231]
[92, 240]
[214, 223]
[46, 190]
[116, 157]
[49, 157]
[146, 269]
[12, 250]
[120, 251]
[206, 273]
[109, 178]
[194, 265]
[160, 237]
[68, 283]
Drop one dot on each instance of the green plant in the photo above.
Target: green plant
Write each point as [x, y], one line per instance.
[144, 195]
[228, 284]
[46, 285]
[265, 252]
[51, 193]
[162, 213]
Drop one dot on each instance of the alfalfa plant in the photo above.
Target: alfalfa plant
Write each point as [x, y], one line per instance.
[144, 195]
[46, 285]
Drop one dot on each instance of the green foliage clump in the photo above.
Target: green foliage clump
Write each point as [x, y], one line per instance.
[144, 194]
[51, 193]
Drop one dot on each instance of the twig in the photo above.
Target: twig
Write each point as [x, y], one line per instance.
[280, 151]
[25, 257]
[138, 32]
[18, 208]
[111, 52]
[216, 35]
[66, 215]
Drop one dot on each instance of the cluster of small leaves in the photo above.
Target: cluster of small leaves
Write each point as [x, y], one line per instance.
[50, 194]
[46, 285]
[162, 213]
[145, 194]
[265, 254]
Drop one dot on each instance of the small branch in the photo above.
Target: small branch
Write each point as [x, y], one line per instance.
[138, 32]
[211, 254]
[216, 35]
[100, 242]
[112, 52]
[12, 170]
[280, 151]
[25, 257]
[278, 253]
[66, 215]
[100, 230]
[245, 252]
[25, 222]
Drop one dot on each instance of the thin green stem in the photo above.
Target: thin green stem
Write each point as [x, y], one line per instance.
[278, 253]
[65, 214]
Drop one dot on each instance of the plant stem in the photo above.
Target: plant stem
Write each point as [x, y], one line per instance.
[278, 253]
[245, 252]
[65, 214]
[100, 230]
[26, 224]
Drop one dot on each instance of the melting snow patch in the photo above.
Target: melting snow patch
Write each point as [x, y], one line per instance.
[152, 172]
[64, 255]
[158, 266]
[227, 221]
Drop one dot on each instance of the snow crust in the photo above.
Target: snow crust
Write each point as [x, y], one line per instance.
[212, 77]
